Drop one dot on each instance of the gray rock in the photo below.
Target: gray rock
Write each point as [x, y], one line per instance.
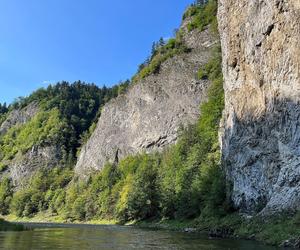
[147, 118]
[24, 166]
[260, 134]
[19, 116]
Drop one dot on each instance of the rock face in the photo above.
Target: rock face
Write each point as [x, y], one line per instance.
[261, 125]
[148, 116]
[24, 166]
[19, 116]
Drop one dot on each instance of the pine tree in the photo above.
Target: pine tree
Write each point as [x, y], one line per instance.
[161, 42]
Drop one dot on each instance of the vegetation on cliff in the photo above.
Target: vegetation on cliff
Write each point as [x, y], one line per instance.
[182, 186]
[161, 52]
[3, 112]
[65, 117]
[202, 14]
[185, 181]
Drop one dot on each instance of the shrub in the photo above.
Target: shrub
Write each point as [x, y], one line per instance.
[203, 15]
[6, 193]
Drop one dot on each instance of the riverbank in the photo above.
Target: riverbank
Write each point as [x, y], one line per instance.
[7, 226]
[48, 218]
[283, 230]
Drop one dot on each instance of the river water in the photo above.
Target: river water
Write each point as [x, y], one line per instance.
[81, 237]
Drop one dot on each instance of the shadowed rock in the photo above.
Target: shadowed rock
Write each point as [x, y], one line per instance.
[260, 137]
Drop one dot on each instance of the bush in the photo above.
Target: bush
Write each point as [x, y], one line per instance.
[6, 193]
[203, 15]
[185, 181]
[139, 195]
[45, 190]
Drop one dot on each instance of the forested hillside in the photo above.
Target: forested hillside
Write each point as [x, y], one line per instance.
[80, 153]
[184, 181]
[47, 128]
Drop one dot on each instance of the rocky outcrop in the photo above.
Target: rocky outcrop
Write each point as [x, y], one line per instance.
[147, 118]
[261, 126]
[23, 166]
[19, 116]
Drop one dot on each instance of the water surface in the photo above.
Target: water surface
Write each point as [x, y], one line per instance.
[80, 237]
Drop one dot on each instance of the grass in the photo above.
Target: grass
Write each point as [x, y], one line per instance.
[49, 218]
[272, 230]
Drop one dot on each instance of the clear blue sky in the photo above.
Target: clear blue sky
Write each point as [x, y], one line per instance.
[43, 41]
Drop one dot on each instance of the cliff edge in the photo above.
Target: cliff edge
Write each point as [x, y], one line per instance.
[148, 116]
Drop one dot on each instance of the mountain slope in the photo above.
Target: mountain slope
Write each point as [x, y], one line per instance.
[148, 117]
[45, 129]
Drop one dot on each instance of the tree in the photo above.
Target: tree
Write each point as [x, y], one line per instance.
[5, 195]
[3, 108]
[161, 42]
[153, 49]
[201, 2]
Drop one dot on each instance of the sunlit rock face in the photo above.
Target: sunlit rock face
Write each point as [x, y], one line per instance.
[19, 116]
[147, 118]
[261, 125]
[25, 164]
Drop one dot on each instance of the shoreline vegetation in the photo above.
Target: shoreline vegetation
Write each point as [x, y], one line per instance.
[8, 226]
[181, 189]
[281, 230]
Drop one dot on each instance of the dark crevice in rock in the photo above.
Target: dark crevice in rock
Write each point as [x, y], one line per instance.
[269, 30]
[258, 45]
[234, 63]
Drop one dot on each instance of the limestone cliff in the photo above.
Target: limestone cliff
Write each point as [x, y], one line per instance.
[261, 127]
[19, 116]
[24, 164]
[147, 118]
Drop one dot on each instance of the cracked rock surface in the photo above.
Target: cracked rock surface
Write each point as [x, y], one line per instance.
[147, 118]
[261, 124]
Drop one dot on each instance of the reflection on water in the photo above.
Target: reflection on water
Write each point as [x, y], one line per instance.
[45, 236]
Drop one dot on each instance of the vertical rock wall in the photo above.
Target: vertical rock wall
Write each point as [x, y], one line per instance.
[148, 116]
[261, 126]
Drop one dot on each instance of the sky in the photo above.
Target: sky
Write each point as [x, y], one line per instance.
[96, 41]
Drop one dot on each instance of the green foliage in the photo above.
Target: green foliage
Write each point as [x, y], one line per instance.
[202, 15]
[67, 117]
[191, 179]
[184, 182]
[3, 108]
[44, 128]
[6, 226]
[161, 52]
[6, 193]
[272, 230]
[139, 195]
[3, 167]
[3, 112]
[44, 191]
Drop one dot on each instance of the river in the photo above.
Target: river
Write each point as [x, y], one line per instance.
[81, 237]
